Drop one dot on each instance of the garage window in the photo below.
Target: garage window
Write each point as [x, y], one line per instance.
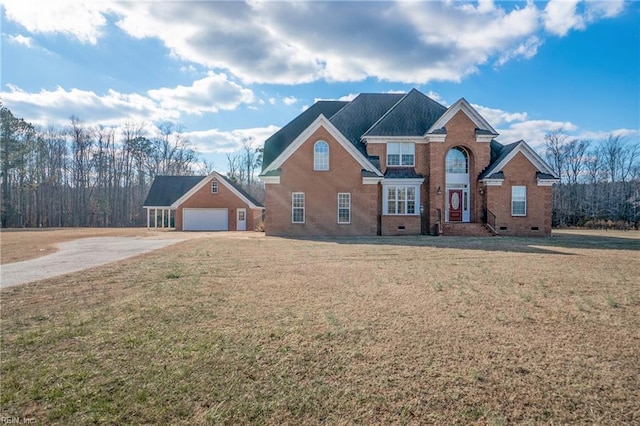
[214, 186]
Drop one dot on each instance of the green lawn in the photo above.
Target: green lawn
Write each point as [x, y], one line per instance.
[374, 330]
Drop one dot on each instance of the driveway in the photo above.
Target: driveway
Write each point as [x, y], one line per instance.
[77, 255]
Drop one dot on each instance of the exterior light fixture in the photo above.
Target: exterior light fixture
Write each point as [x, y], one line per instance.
[439, 191]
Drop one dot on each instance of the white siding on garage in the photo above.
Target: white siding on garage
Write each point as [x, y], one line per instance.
[205, 219]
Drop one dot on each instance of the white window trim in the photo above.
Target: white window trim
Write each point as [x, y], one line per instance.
[315, 164]
[402, 149]
[348, 194]
[293, 208]
[385, 200]
[214, 186]
[519, 200]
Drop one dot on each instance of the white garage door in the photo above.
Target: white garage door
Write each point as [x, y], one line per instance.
[205, 219]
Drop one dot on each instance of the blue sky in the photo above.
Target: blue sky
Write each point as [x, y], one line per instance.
[230, 70]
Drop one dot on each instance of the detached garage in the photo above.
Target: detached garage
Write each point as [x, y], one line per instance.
[201, 203]
[205, 219]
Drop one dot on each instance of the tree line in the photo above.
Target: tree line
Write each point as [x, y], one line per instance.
[80, 175]
[599, 180]
[84, 176]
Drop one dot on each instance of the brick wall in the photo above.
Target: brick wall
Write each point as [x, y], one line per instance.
[520, 172]
[225, 198]
[321, 190]
[400, 225]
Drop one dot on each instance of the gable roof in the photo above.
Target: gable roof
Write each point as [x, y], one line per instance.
[481, 124]
[280, 140]
[165, 190]
[239, 192]
[413, 115]
[171, 191]
[368, 114]
[321, 121]
[501, 155]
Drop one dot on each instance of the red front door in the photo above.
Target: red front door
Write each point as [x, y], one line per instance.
[455, 205]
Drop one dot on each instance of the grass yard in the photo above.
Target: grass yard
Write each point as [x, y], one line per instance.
[415, 330]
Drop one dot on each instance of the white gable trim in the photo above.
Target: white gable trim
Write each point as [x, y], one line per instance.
[205, 181]
[322, 121]
[466, 107]
[385, 139]
[270, 179]
[528, 152]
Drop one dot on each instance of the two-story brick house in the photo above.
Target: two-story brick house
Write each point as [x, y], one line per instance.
[401, 164]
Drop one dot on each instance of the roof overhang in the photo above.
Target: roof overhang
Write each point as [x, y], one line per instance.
[402, 181]
[547, 182]
[270, 179]
[386, 139]
[492, 182]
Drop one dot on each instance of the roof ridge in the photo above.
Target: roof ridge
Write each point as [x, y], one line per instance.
[387, 113]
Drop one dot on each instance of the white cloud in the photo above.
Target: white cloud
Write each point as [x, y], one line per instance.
[56, 106]
[22, 40]
[533, 131]
[81, 20]
[301, 42]
[289, 100]
[345, 98]
[210, 94]
[216, 141]
[560, 16]
[527, 50]
[496, 117]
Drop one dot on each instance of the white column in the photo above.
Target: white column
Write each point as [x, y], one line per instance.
[163, 218]
[155, 216]
[148, 218]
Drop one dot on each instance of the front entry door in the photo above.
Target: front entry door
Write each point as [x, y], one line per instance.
[242, 220]
[455, 205]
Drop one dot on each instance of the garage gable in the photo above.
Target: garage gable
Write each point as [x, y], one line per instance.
[221, 180]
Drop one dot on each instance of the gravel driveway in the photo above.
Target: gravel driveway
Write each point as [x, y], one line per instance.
[77, 255]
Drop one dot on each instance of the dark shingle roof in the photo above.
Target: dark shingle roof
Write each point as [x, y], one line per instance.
[165, 190]
[541, 175]
[401, 173]
[368, 114]
[498, 153]
[241, 191]
[361, 113]
[485, 132]
[412, 116]
[279, 141]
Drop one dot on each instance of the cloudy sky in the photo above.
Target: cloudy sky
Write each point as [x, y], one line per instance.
[230, 70]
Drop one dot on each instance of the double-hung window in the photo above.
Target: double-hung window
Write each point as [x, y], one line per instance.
[518, 201]
[400, 200]
[214, 186]
[297, 207]
[400, 154]
[344, 208]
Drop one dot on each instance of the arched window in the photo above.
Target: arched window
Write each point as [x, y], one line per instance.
[457, 161]
[321, 156]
